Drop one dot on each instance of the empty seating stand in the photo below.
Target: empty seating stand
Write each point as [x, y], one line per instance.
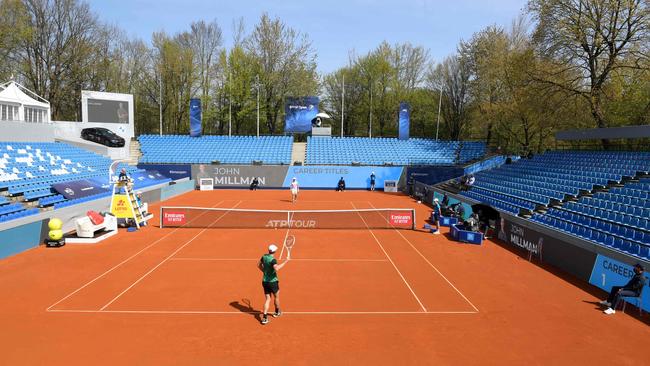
[29, 169]
[590, 195]
[379, 151]
[274, 150]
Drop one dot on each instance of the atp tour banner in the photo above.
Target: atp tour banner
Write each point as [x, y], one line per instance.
[80, 188]
[317, 176]
[240, 176]
[195, 117]
[562, 254]
[609, 272]
[404, 120]
[298, 114]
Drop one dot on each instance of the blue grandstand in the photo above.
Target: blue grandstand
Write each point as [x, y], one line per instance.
[206, 149]
[378, 151]
[601, 197]
[28, 171]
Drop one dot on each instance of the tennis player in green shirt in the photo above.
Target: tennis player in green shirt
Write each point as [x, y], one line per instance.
[270, 267]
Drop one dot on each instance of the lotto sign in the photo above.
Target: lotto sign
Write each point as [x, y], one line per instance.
[404, 218]
[173, 218]
[120, 207]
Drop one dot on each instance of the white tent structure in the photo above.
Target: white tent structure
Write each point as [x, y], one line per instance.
[17, 105]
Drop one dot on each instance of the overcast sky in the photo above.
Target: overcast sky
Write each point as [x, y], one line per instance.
[335, 27]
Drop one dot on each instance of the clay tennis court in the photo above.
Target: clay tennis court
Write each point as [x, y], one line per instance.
[192, 296]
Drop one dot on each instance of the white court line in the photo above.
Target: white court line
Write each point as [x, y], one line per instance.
[124, 261]
[391, 261]
[200, 312]
[286, 235]
[432, 266]
[166, 259]
[293, 260]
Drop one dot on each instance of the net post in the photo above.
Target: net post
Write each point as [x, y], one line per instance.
[413, 223]
[289, 219]
[160, 218]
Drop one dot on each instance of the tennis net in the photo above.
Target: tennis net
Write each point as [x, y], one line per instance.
[203, 217]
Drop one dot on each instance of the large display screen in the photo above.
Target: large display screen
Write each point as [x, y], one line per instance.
[108, 111]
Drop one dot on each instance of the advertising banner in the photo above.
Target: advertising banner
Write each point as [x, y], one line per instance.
[241, 176]
[609, 272]
[79, 188]
[195, 117]
[174, 218]
[121, 207]
[562, 254]
[317, 176]
[299, 113]
[404, 120]
[148, 178]
[433, 175]
[172, 171]
[486, 164]
[401, 219]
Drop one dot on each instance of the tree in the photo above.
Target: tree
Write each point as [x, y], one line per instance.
[205, 40]
[14, 29]
[587, 41]
[287, 65]
[177, 69]
[55, 59]
[452, 77]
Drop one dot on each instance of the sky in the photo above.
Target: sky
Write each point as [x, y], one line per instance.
[336, 28]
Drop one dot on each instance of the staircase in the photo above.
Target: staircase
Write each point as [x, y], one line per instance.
[298, 152]
[134, 152]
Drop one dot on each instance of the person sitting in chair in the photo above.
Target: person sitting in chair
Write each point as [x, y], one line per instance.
[633, 288]
[124, 176]
[436, 213]
[254, 184]
[341, 185]
[144, 207]
[459, 211]
[125, 180]
[472, 223]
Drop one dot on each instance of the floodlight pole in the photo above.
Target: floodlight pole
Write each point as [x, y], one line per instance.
[342, 104]
[257, 84]
[160, 103]
[229, 103]
[370, 124]
[439, 107]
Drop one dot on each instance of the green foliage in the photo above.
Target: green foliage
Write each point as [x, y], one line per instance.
[581, 64]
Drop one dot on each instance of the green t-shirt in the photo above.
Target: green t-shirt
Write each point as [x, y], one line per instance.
[270, 275]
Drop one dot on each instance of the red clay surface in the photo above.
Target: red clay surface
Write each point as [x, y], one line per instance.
[190, 297]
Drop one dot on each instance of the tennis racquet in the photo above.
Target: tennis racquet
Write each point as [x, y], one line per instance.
[289, 242]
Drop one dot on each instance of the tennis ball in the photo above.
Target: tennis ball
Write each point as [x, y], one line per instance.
[55, 224]
[56, 234]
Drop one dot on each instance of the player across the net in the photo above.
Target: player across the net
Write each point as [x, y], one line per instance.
[204, 217]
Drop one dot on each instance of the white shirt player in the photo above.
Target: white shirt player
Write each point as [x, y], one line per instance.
[294, 186]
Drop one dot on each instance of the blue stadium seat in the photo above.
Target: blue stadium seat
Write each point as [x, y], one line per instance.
[206, 149]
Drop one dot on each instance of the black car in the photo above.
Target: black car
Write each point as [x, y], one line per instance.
[102, 136]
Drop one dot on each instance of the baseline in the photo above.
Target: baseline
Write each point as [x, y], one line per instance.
[293, 260]
[201, 312]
